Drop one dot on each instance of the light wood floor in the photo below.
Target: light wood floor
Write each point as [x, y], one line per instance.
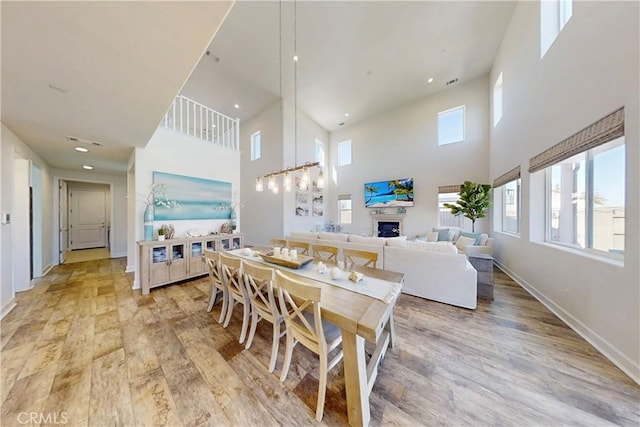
[81, 255]
[82, 348]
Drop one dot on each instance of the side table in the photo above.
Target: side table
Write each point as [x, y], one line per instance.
[483, 264]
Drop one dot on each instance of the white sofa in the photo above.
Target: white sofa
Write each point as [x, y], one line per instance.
[434, 271]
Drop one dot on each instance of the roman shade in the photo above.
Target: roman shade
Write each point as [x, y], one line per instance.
[449, 189]
[604, 130]
[512, 175]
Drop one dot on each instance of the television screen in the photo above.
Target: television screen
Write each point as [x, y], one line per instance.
[393, 193]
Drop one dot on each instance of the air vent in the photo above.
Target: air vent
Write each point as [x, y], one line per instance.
[341, 124]
[86, 141]
[450, 82]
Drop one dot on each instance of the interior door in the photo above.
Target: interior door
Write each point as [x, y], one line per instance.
[63, 219]
[87, 215]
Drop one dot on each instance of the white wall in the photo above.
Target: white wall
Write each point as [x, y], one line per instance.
[589, 71]
[175, 153]
[403, 143]
[118, 216]
[12, 147]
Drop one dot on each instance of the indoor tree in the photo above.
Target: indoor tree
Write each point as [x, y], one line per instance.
[473, 203]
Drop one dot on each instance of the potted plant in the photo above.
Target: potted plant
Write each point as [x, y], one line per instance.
[161, 233]
[473, 203]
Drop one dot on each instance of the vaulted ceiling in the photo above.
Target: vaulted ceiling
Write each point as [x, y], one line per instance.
[107, 71]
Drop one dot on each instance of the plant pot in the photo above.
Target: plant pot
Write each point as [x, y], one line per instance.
[161, 237]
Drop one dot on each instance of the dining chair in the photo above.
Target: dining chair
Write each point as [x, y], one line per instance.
[236, 291]
[371, 258]
[325, 253]
[301, 247]
[259, 282]
[278, 243]
[300, 307]
[212, 260]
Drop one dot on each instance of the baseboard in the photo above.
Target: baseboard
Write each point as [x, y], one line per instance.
[603, 346]
[7, 308]
[47, 269]
[130, 269]
[118, 255]
[135, 285]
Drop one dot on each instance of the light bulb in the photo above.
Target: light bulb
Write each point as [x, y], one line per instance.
[287, 181]
[259, 184]
[320, 179]
[272, 182]
[275, 188]
[305, 174]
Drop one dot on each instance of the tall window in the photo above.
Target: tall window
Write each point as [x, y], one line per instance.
[511, 207]
[451, 126]
[320, 152]
[586, 203]
[344, 208]
[445, 217]
[344, 153]
[554, 15]
[497, 101]
[256, 146]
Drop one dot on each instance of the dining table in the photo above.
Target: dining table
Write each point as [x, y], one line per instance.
[364, 313]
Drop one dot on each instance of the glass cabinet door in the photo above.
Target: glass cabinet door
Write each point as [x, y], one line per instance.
[224, 244]
[159, 255]
[196, 249]
[177, 252]
[236, 243]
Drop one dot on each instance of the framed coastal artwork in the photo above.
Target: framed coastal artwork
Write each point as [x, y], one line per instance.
[196, 198]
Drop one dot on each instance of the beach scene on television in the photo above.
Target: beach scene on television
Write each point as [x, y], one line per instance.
[391, 193]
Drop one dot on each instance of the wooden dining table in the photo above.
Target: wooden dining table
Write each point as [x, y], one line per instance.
[361, 318]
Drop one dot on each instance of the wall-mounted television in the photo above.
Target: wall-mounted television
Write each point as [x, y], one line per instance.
[386, 194]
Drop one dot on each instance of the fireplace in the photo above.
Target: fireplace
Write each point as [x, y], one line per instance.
[388, 228]
[388, 225]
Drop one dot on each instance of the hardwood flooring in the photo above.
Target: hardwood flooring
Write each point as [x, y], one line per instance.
[83, 349]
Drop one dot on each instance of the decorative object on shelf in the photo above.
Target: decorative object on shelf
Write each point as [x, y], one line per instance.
[148, 222]
[168, 231]
[225, 228]
[156, 197]
[473, 203]
[271, 178]
[161, 234]
[402, 210]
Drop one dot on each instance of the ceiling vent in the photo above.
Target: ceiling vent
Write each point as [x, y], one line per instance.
[450, 82]
[86, 141]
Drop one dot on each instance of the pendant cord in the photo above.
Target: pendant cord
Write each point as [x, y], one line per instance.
[295, 83]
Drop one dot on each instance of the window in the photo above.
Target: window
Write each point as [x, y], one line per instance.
[320, 152]
[256, 146]
[344, 153]
[445, 217]
[554, 15]
[344, 209]
[585, 199]
[451, 126]
[511, 207]
[497, 101]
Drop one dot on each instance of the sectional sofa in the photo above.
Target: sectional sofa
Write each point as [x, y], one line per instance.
[432, 270]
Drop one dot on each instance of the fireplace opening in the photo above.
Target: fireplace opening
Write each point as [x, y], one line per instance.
[388, 228]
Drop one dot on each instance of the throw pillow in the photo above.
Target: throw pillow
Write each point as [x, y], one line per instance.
[443, 234]
[484, 239]
[432, 236]
[475, 236]
[463, 242]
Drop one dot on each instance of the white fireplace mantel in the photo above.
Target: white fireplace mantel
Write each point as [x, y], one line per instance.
[396, 217]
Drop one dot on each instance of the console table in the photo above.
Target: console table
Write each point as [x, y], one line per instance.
[483, 264]
[167, 261]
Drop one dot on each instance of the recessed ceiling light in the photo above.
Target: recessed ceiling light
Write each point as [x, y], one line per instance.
[87, 167]
[295, 58]
[346, 114]
[236, 106]
[81, 149]
[430, 80]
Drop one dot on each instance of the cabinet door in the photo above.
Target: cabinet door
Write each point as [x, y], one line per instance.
[178, 264]
[159, 269]
[236, 242]
[225, 244]
[195, 257]
[211, 245]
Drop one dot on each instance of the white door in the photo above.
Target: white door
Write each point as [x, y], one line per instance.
[21, 248]
[87, 219]
[63, 220]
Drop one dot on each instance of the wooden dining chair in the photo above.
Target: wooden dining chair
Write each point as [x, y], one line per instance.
[325, 253]
[301, 247]
[350, 255]
[300, 307]
[281, 243]
[259, 282]
[212, 261]
[236, 291]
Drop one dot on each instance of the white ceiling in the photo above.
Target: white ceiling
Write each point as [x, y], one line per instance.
[123, 62]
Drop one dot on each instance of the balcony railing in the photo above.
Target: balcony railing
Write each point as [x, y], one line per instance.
[194, 119]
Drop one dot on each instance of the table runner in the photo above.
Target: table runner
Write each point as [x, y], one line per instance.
[370, 286]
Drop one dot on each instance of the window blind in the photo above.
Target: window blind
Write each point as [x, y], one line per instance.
[449, 188]
[604, 130]
[512, 175]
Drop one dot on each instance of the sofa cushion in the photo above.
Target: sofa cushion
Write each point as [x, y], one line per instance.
[395, 243]
[484, 239]
[443, 247]
[475, 236]
[336, 237]
[374, 241]
[463, 242]
[444, 234]
[305, 234]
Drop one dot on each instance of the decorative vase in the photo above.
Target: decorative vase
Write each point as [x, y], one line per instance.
[148, 222]
[232, 217]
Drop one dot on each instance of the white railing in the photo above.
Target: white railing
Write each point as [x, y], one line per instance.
[194, 119]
